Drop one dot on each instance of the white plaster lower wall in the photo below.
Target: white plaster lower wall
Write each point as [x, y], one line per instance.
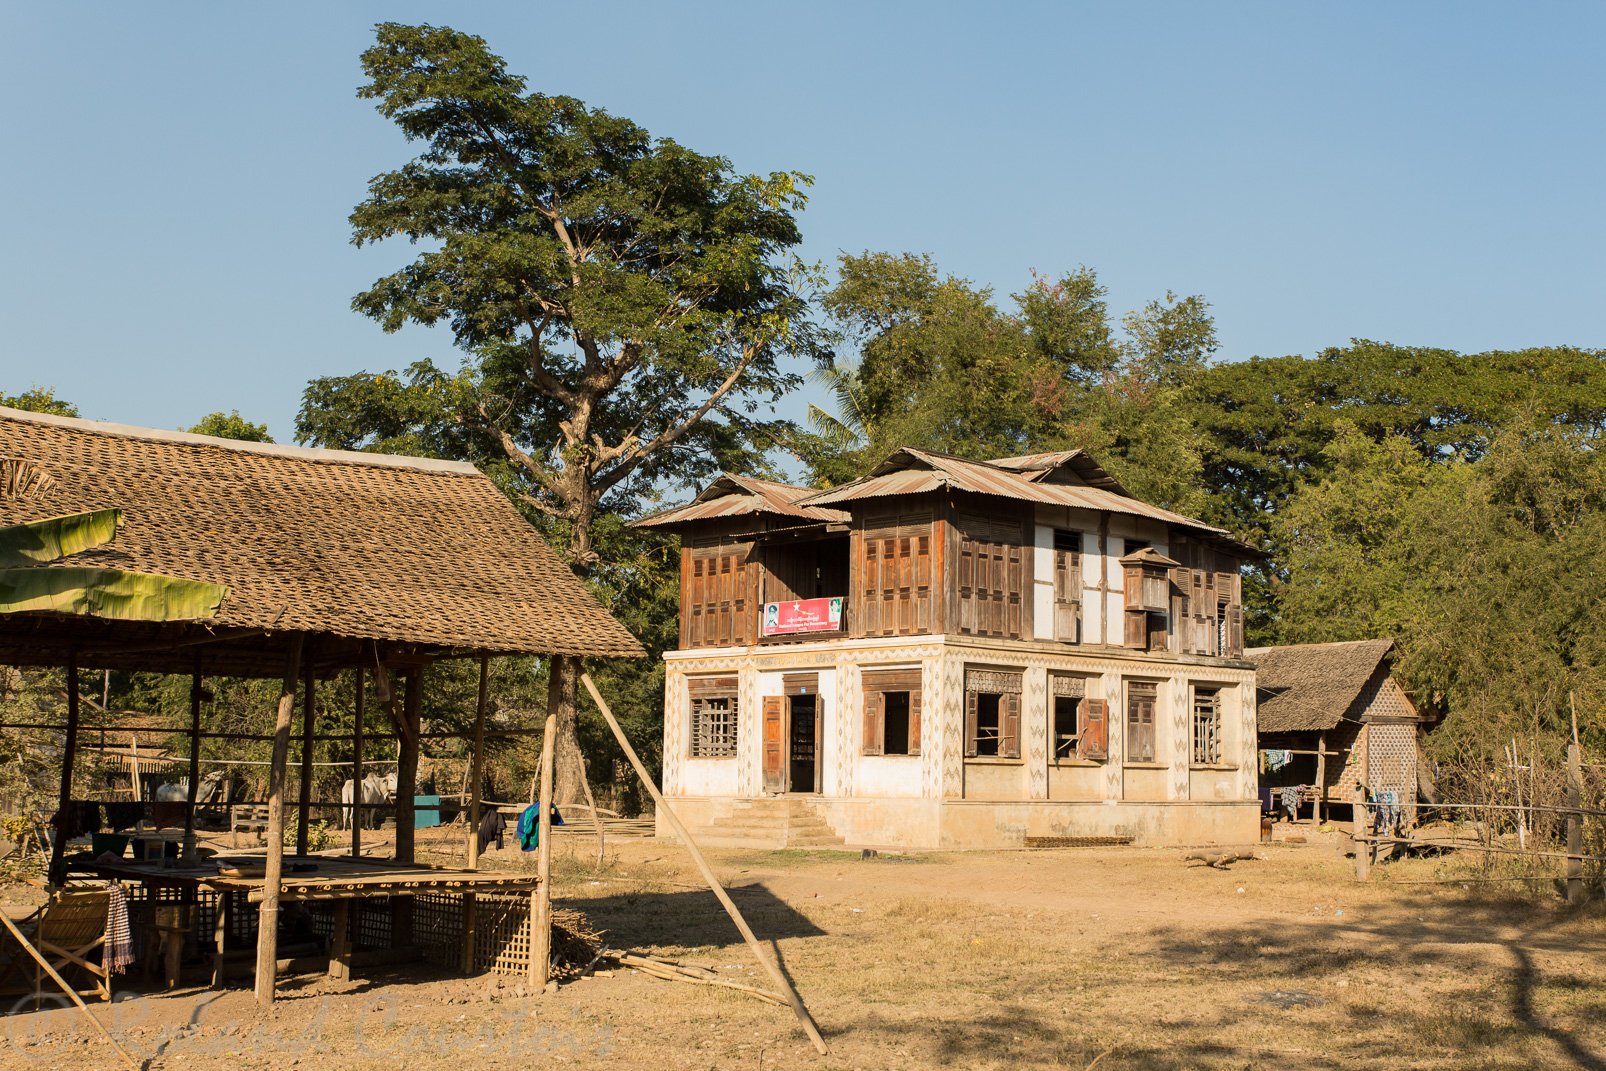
[708, 777]
[893, 776]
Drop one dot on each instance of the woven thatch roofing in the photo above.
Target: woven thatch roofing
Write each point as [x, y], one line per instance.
[417, 556]
[1314, 686]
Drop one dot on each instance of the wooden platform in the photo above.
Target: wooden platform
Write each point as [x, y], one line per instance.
[337, 878]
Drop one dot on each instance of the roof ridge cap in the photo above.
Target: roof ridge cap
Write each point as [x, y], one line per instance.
[297, 453]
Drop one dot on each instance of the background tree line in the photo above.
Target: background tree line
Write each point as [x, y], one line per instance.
[626, 311]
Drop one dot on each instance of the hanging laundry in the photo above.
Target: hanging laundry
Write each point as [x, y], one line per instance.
[119, 940]
[1290, 796]
[121, 816]
[492, 827]
[529, 828]
[1275, 759]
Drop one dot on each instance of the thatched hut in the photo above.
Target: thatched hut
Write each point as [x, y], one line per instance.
[1331, 714]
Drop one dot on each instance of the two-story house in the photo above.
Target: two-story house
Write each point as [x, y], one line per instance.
[952, 653]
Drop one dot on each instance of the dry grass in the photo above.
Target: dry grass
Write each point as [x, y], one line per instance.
[1040, 960]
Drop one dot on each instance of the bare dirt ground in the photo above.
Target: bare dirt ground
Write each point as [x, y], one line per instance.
[1048, 959]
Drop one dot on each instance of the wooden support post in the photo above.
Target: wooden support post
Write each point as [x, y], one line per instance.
[541, 913]
[401, 907]
[195, 760]
[476, 767]
[407, 763]
[357, 812]
[272, 879]
[304, 795]
[65, 820]
[1575, 825]
[1363, 847]
[1321, 777]
[220, 931]
[773, 968]
[340, 944]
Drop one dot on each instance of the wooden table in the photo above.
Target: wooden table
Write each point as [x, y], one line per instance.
[340, 879]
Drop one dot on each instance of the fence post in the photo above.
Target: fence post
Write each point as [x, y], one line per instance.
[1363, 847]
[1575, 826]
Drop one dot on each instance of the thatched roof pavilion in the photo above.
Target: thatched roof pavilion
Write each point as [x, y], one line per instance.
[332, 560]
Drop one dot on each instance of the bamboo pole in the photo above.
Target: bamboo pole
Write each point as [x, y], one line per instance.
[67, 989]
[1575, 822]
[541, 917]
[596, 819]
[477, 765]
[304, 793]
[775, 973]
[69, 749]
[1363, 845]
[361, 697]
[272, 878]
[195, 760]
[1321, 776]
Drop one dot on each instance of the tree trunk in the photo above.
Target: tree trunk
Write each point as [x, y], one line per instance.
[568, 771]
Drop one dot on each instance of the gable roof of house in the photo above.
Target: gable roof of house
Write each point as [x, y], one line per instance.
[1051, 479]
[1314, 686]
[366, 547]
[735, 496]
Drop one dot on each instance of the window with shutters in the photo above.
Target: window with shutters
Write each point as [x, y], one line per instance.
[1206, 726]
[992, 714]
[1078, 722]
[716, 605]
[895, 576]
[713, 718]
[989, 577]
[892, 711]
[1067, 586]
[1141, 699]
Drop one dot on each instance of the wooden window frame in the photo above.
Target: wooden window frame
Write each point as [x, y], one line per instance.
[1142, 745]
[877, 685]
[1007, 685]
[704, 738]
[1206, 712]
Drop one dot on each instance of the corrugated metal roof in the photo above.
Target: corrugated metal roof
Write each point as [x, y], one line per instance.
[736, 496]
[909, 471]
[1054, 467]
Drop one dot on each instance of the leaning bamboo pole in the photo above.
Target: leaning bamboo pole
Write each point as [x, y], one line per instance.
[65, 988]
[272, 878]
[541, 917]
[771, 966]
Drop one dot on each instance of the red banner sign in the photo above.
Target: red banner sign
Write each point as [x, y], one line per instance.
[804, 615]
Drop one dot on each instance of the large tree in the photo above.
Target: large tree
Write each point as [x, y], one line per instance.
[624, 304]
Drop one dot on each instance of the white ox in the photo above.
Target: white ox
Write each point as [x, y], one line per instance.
[179, 791]
[376, 790]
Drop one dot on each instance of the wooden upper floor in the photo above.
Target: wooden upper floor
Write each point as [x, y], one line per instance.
[1046, 548]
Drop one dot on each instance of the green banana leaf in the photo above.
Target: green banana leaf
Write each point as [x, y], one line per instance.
[113, 593]
[36, 542]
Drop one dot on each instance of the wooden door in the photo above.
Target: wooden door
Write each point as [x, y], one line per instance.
[775, 708]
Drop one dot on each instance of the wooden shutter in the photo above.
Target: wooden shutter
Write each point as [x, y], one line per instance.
[1137, 630]
[711, 687]
[875, 723]
[1009, 725]
[1140, 722]
[774, 742]
[1067, 594]
[970, 724]
[1095, 742]
[922, 583]
[1235, 632]
[914, 722]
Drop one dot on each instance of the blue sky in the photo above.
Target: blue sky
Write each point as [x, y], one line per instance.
[176, 178]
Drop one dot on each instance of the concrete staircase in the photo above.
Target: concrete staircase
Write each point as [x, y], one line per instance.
[775, 822]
